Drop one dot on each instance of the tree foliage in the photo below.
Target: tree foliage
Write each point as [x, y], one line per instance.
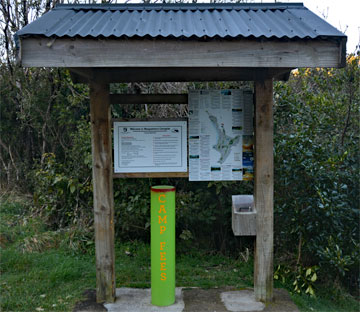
[317, 169]
[39, 106]
[46, 150]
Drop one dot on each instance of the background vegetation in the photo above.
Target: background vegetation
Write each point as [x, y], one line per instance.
[45, 151]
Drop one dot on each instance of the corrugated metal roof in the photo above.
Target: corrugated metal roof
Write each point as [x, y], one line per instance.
[277, 20]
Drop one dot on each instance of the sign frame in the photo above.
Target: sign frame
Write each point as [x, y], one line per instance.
[141, 134]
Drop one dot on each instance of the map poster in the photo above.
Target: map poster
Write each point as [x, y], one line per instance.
[150, 146]
[220, 135]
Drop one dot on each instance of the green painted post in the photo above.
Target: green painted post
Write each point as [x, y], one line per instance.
[162, 245]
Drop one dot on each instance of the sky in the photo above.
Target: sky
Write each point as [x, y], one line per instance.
[342, 14]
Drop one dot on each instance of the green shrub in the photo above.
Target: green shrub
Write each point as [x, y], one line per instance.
[317, 170]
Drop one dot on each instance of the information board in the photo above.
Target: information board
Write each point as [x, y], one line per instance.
[220, 135]
[150, 146]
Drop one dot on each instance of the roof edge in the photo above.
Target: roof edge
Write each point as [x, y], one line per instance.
[204, 38]
[183, 6]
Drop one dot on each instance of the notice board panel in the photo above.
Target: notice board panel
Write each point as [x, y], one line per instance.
[150, 146]
[220, 135]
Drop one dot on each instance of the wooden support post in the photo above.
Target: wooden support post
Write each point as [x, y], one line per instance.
[103, 191]
[264, 189]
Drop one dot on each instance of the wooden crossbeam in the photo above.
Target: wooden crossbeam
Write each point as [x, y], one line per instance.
[161, 53]
[148, 98]
[168, 74]
[152, 175]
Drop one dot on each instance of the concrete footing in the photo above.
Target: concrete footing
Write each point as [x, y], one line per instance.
[241, 301]
[225, 299]
[139, 300]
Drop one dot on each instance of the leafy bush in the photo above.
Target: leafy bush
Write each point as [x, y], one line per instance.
[302, 279]
[317, 170]
[63, 189]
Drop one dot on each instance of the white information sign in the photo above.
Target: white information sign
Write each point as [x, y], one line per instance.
[150, 146]
[220, 128]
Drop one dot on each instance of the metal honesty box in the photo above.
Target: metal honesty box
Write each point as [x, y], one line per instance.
[243, 215]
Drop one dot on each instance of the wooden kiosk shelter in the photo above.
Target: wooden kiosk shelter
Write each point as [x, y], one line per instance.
[103, 44]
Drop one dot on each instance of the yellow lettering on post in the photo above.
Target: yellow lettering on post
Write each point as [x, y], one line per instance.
[160, 196]
[162, 244]
[162, 209]
[162, 219]
[162, 229]
[162, 266]
[162, 256]
[163, 276]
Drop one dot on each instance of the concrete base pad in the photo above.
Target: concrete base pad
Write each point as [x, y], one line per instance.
[241, 301]
[139, 300]
[194, 300]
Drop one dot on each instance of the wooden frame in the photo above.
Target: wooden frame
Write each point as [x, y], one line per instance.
[264, 191]
[168, 74]
[162, 53]
[148, 99]
[152, 175]
[103, 192]
[101, 61]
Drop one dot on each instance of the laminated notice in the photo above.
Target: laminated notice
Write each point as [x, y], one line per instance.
[150, 146]
[220, 135]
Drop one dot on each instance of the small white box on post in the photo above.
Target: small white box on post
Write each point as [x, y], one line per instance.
[243, 215]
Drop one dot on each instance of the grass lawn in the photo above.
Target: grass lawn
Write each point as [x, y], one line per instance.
[41, 273]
